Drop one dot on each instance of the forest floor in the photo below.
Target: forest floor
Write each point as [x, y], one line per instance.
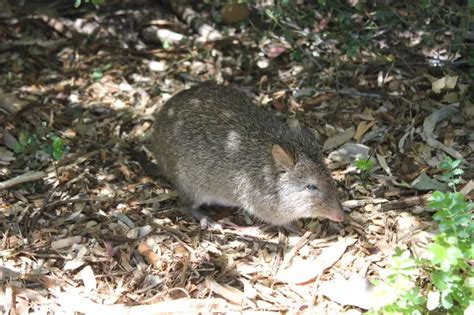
[83, 228]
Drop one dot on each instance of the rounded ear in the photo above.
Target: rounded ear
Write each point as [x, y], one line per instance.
[283, 157]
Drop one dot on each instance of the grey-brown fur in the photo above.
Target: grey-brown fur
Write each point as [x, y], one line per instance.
[216, 147]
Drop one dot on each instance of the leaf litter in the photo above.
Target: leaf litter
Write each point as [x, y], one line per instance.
[92, 232]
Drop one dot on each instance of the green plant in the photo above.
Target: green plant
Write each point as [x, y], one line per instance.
[30, 143]
[444, 282]
[452, 171]
[56, 149]
[25, 143]
[364, 166]
[451, 251]
[399, 286]
[98, 73]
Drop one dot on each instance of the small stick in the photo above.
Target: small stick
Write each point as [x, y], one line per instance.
[413, 201]
[24, 178]
[295, 249]
[349, 92]
[406, 202]
[58, 203]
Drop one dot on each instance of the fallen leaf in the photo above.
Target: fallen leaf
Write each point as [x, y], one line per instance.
[362, 128]
[466, 190]
[66, 242]
[139, 232]
[355, 291]
[150, 256]
[451, 98]
[349, 152]
[383, 164]
[424, 182]
[339, 139]
[6, 156]
[304, 270]
[231, 294]
[434, 118]
[11, 103]
[88, 278]
[9, 140]
[468, 109]
[445, 83]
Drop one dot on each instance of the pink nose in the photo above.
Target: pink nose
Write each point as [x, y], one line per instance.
[337, 216]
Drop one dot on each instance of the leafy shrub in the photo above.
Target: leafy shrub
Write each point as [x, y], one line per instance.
[445, 282]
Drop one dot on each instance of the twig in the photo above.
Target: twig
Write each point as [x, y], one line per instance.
[49, 44]
[406, 202]
[58, 203]
[295, 249]
[52, 205]
[24, 178]
[343, 92]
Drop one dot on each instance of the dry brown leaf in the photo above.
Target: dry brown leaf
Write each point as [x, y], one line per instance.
[150, 256]
[466, 190]
[339, 139]
[362, 128]
[66, 242]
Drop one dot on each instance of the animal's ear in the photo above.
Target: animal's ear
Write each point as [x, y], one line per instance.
[283, 157]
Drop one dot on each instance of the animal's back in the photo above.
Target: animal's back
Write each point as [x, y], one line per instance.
[216, 147]
[209, 134]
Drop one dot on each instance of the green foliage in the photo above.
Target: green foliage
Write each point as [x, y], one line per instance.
[31, 143]
[77, 3]
[452, 171]
[25, 142]
[447, 276]
[57, 147]
[98, 73]
[364, 165]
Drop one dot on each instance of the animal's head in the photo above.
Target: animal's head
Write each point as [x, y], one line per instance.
[306, 188]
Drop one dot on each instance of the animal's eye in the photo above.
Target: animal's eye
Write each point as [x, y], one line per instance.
[311, 187]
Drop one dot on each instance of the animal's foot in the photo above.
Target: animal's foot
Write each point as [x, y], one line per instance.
[205, 221]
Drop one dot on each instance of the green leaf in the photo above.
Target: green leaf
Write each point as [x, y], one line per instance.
[439, 280]
[455, 164]
[166, 44]
[58, 148]
[297, 55]
[438, 251]
[97, 74]
[364, 165]
[446, 299]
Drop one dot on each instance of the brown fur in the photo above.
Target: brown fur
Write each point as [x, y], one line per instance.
[216, 147]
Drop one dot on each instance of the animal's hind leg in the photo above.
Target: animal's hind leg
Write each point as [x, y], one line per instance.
[205, 221]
